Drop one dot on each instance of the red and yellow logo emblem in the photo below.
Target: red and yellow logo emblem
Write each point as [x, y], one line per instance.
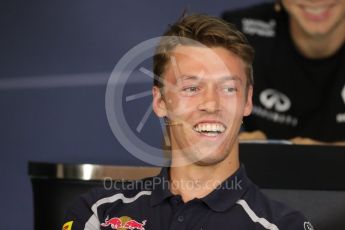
[67, 225]
[123, 223]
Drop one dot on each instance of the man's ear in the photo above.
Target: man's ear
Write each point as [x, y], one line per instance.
[249, 103]
[159, 106]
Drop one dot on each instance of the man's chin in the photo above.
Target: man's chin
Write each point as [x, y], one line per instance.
[212, 160]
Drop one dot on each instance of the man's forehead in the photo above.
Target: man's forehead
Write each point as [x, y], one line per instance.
[187, 59]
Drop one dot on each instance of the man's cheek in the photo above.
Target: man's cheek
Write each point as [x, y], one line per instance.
[183, 107]
[234, 107]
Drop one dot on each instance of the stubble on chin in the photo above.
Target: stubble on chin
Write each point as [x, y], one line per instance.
[209, 159]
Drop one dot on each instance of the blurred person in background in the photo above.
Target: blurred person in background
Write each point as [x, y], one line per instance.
[299, 70]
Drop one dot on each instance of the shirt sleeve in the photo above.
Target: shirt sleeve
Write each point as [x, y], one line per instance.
[81, 216]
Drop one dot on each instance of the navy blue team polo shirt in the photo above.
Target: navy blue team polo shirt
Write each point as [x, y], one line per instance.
[148, 204]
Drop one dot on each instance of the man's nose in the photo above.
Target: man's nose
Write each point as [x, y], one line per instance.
[210, 101]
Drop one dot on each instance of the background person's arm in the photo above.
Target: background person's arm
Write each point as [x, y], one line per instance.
[309, 141]
[254, 135]
[259, 135]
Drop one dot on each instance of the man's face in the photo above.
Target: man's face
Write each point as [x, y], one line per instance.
[316, 17]
[205, 95]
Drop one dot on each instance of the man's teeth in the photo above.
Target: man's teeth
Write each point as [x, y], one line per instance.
[209, 129]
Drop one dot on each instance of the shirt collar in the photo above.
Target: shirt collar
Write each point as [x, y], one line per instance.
[161, 187]
[219, 200]
[229, 192]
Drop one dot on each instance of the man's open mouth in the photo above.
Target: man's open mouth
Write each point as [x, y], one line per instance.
[210, 129]
[317, 12]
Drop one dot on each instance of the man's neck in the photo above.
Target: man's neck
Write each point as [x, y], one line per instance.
[196, 181]
[317, 47]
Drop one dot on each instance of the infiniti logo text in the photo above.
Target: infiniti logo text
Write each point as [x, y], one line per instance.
[340, 118]
[272, 99]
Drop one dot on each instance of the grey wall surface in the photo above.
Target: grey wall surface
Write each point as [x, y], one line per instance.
[55, 60]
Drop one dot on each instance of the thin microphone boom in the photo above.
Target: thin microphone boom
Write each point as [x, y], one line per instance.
[173, 123]
[168, 123]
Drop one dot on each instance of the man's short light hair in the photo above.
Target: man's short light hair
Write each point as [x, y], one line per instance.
[207, 30]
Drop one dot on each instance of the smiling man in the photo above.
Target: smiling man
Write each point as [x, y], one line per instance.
[203, 87]
[299, 69]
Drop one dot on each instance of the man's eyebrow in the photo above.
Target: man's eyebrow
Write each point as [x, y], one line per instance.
[189, 77]
[230, 78]
[198, 78]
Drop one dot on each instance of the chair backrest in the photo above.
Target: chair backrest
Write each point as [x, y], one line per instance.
[325, 209]
[310, 179]
[55, 186]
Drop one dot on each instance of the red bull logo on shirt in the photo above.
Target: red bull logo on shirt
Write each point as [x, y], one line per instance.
[123, 223]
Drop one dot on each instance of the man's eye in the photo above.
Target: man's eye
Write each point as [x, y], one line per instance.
[229, 89]
[190, 89]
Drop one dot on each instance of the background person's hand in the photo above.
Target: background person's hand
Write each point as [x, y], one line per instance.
[255, 135]
[309, 141]
[306, 141]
